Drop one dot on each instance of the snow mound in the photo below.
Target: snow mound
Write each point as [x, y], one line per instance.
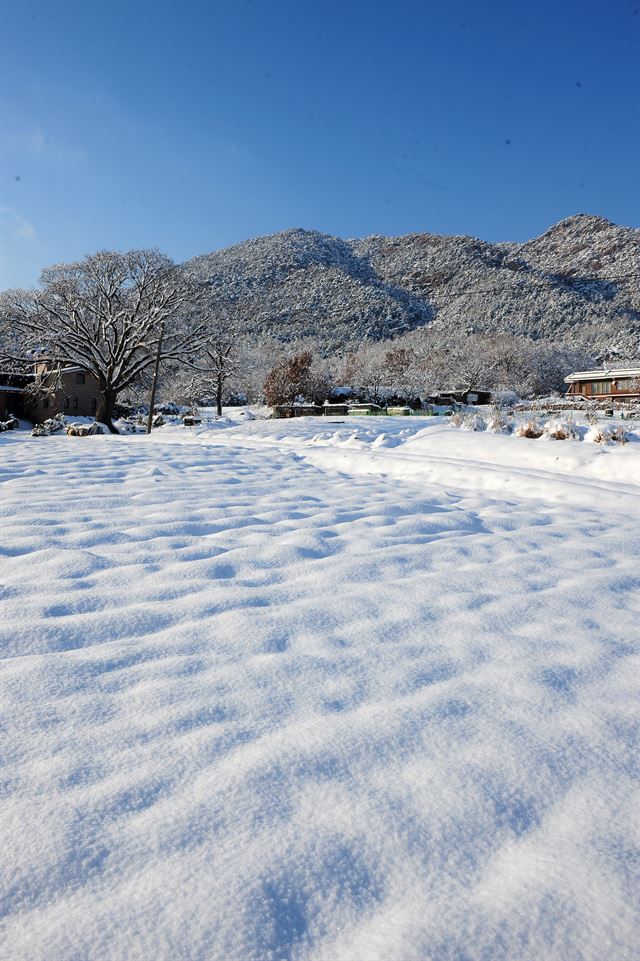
[606, 435]
[560, 429]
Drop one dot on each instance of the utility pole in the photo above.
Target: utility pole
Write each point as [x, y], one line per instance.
[154, 382]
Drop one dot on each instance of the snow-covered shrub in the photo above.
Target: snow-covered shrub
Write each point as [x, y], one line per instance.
[619, 435]
[52, 425]
[192, 418]
[80, 430]
[126, 426]
[87, 430]
[530, 428]
[474, 422]
[606, 435]
[137, 423]
[467, 421]
[12, 423]
[597, 435]
[591, 414]
[499, 423]
[560, 429]
[56, 424]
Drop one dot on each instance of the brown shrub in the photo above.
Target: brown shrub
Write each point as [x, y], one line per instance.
[532, 429]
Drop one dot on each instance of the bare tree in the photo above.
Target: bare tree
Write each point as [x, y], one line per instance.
[455, 359]
[365, 371]
[223, 353]
[105, 314]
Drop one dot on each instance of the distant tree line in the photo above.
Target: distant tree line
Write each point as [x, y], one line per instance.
[119, 316]
[420, 364]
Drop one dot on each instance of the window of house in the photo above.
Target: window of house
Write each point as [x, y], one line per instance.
[66, 403]
[79, 378]
[75, 403]
[601, 387]
[94, 404]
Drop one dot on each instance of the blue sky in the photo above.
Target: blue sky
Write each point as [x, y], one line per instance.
[190, 126]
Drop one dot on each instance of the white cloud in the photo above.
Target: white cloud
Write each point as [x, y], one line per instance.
[37, 139]
[18, 225]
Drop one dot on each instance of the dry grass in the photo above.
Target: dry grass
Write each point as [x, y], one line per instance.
[531, 429]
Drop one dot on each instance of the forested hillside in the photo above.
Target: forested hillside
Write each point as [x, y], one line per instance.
[576, 284]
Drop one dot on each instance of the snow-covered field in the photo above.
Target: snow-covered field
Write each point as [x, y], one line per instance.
[358, 691]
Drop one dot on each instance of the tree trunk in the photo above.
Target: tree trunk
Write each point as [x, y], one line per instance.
[154, 383]
[104, 412]
[219, 386]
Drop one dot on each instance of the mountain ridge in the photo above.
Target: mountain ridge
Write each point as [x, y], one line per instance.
[575, 283]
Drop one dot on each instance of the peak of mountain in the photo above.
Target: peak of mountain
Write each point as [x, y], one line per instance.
[577, 282]
[581, 221]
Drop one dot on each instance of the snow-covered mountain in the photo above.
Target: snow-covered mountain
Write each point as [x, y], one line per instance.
[578, 282]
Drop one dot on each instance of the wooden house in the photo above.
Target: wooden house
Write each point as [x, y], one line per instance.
[614, 383]
[50, 390]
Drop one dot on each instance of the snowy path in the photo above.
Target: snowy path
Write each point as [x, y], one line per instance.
[255, 709]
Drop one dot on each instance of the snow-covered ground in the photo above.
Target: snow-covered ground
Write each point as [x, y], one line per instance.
[352, 691]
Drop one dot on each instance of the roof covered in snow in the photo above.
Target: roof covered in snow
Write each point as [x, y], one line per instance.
[611, 372]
